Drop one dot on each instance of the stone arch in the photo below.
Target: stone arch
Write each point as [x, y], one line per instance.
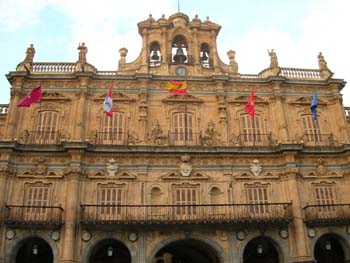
[222, 256]
[18, 241]
[277, 242]
[91, 245]
[339, 234]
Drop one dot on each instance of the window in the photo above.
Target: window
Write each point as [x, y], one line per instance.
[113, 129]
[311, 127]
[325, 199]
[252, 131]
[182, 129]
[110, 201]
[46, 127]
[36, 202]
[257, 195]
[186, 200]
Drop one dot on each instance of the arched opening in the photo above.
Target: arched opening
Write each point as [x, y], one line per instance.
[328, 250]
[187, 251]
[34, 250]
[110, 251]
[260, 250]
[179, 50]
[204, 55]
[154, 54]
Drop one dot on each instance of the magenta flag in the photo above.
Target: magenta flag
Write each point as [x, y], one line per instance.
[33, 97]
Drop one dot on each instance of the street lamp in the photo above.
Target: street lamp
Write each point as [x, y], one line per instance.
[109, 251]
[35, 249]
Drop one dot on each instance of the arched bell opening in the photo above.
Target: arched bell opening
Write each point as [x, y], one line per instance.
[34, 250]
[179, 50]
[187, 251]
[155, 56]
[110, 251]
[205, 55]
[328, 249]
[260, 250]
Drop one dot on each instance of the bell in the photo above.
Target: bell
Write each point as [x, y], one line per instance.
[155, 55]
[204, 56]
[179, 57]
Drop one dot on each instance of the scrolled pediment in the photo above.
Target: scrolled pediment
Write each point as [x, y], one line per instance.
[54, 96]
[117, 96]
[178, 176]
[307, 101]
[182, 98]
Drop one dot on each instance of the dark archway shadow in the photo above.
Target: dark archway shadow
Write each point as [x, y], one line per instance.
[328, 250]
[34, 250]
[110, 251]
[260, 250]
[187, 251]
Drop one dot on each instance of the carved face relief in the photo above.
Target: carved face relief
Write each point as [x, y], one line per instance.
[185, 169]
[256, 168]
[112, 167]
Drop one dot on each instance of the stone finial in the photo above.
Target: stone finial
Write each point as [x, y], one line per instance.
[273, 59]
[29, 54]
[322, 62]
[82, 53]
[123, 53]
[233, 64]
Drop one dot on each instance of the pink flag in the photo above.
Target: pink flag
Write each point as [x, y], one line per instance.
[249, 107]
[33, 97]
[107, 104]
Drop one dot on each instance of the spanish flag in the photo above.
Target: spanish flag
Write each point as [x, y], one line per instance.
[177, 87]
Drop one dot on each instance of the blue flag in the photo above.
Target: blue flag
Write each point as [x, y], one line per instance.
[314, 105]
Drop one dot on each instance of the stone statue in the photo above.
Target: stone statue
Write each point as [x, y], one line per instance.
[273, 59]
[112, 167]
[322, 62]
[211, 136]
[29, 54]
[82, 53]
[233, 64]
[185, 166]
[157, 136]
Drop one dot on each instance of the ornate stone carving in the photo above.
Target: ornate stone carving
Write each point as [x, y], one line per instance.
[321, 169]
[112, 167]
[255, 167]
[211, 136]
[157, 136]
[82, 53]
[185, 166]
[40, 166]
[24, 136]
[273, 59]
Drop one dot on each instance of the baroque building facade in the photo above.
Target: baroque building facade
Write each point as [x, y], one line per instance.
[174, 177]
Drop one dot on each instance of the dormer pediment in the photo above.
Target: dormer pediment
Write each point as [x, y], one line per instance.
[307, 101]
[244, 99]
[117, 96]
[182, 98]
[46, 95]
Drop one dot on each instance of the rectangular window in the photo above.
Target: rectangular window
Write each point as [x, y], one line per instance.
[312, 132]
[113, 129]
[256, 197]
[186, 201]
[325, 199]
[46, 128]
[110, 201]
[36, 202]
[251, 131]
[182, 129]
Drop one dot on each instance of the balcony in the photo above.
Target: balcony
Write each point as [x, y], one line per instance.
[40, 137]
[184, 139]
[166, 215]
[111, 138]
[333, 214]
[251, 139]
[31, 216]
[317, 139]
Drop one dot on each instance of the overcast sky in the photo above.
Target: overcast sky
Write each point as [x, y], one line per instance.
[297, 29]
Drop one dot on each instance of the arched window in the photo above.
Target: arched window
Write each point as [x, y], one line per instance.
[154, 55]
[252, 131]
[182, 129]
[46, 127]
[204, 55]
[179, 50]
[113, 129]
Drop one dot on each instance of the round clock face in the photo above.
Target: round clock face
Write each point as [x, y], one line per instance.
[181, 71]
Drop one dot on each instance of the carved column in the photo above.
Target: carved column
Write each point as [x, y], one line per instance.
[195, 54]
[279, 110]
[71, 210]
[300, 250]
[80, 110]
[11, 126]
[143, 113]
[164, 47]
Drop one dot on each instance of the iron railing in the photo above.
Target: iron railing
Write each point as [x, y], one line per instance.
[327, 214]
[186, 214]
[184, 138]
[112, 138]
[41, 137]
[318, 139]
[33, 215]
[254, 139]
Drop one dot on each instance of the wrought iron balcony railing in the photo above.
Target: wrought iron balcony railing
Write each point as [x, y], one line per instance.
[184, 139]
[251, 139]
[318, 139]
[327, 214]
[33, 215]
[278, 213]
[112, 138]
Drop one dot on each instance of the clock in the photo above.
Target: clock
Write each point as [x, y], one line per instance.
[181, 71]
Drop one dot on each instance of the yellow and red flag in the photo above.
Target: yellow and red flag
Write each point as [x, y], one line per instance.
[176, 87]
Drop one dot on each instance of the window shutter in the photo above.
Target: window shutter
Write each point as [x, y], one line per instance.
[311, 129]
[47, 127]
[113, 128]
[182, 128]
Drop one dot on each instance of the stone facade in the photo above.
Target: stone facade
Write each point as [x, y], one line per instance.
[174, 178]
